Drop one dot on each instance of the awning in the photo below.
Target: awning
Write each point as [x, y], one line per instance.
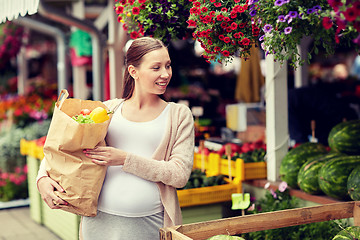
[12, 9]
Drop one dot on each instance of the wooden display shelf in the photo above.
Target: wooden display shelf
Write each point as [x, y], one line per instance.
[263, 221]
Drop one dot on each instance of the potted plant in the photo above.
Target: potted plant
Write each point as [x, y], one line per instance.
[284, 23]
[223, 28]
[162, 19]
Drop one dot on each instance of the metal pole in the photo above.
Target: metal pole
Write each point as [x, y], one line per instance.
[62, 70]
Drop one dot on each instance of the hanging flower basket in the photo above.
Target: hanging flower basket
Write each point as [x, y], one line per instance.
[284, 23]
[162, 19]
[10, 42]
[224, 28]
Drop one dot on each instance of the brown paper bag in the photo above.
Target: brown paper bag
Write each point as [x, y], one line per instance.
[65, 161]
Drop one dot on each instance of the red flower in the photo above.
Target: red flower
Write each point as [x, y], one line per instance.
[357, 25]
[191, 23]
[194, 11]
[221, 37]
[136, 10]
[219, 17]
[356, 6]
[204, 9]
[327, 23]
[142, 1]
[226, 19]
[123, 2]
[216, 48]
[233, 15]
[245, 41]
[119, 9]
[224, 9]
[350, 14]
[134, 35]
[223, 24]
[125, 27]
[226, 53]
[119, 18]
[237, 1]
[196, 4]
[233, 25]
[218, 4]
[227, 39]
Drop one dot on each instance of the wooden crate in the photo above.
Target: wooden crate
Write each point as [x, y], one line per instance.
[244, 171]
[263, 221]
[207, 195]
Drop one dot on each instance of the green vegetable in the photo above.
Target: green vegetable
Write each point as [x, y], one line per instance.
[295, 158]
[350, 233]
[308, 173]
[353, 184]
[334, 174]
[345, 137]
[82, 118]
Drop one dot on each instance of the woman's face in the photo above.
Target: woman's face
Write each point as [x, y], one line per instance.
[154, 73]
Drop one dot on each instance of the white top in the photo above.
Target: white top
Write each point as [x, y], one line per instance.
[123, 193]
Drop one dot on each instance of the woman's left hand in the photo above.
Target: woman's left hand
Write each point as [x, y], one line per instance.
[106, 156]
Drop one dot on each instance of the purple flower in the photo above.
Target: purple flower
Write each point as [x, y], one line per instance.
[293, 14]
[253, 12]
[287, 30]
[261, 38]
[286, 1]
[310, 11]
[279, 3]
[267, 28]
[317, 8]
[281, 18]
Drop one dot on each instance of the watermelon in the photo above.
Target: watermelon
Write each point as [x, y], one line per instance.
[308, 173]
[225, 237]
[353, 184]
[295, 158]
[333, 176]
[345, 137]
[350, 233]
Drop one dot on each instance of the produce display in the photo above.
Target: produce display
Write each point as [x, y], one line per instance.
[308, 173]
[199, 179]
[353, 184]
[249, 151]
[334, 174]
[98, 115]
[350, 233]
[295, 158]
[345, 137]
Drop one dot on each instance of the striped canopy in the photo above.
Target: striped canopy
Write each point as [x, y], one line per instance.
[12, 9]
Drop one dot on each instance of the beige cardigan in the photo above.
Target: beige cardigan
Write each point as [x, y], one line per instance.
[171, 163]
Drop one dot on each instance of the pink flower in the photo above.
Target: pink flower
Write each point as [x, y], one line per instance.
[283, 186]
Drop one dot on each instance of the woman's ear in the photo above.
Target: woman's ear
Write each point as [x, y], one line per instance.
[132, 71]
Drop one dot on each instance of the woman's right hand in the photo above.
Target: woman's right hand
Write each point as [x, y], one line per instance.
[47, 187]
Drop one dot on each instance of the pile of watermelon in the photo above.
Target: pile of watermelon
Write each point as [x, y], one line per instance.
[336, 173]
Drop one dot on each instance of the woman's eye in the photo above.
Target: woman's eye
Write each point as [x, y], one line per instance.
[156, 68]
[168, 66]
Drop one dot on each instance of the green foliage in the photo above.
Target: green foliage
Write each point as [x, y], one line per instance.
[281, 200]
[10, 156]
